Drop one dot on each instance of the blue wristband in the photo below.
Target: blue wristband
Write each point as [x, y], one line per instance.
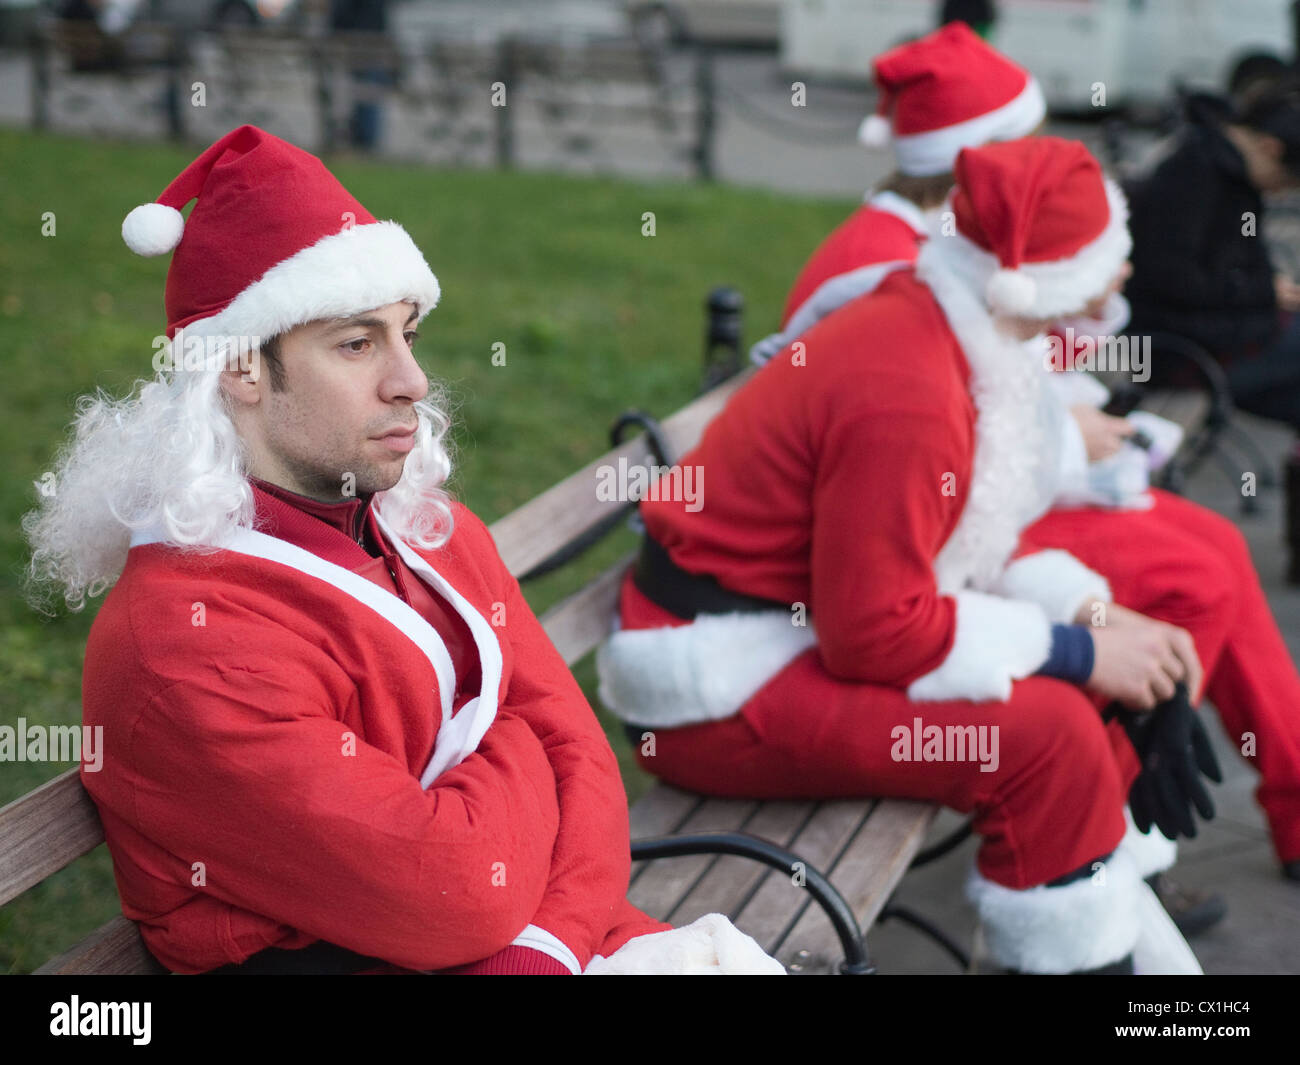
[1072, 654]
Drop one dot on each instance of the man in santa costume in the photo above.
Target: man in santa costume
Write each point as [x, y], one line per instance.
[849, 580]
[1162, 555]
[336, 737]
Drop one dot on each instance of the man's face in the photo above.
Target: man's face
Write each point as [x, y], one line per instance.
[1097, 308]
[1028, 328]
[346, 384]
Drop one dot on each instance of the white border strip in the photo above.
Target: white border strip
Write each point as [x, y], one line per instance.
[901, 208]
[468, 727]
[457, 736]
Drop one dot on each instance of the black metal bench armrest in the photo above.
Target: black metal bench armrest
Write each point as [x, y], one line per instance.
[1215, 380]
[856, 960]
[663, 455]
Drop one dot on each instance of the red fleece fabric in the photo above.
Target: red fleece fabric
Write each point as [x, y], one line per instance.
[280, 745]
[806, 458]
[867, 236]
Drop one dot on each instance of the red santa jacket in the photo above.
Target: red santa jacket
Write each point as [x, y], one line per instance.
[886, 228]
[881, 236]
[811, 489]
[843, 479]
[283, 764]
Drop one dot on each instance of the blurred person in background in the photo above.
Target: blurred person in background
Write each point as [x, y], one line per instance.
[1202, 269]
[99, 47]
[364, 16]
[979, 15]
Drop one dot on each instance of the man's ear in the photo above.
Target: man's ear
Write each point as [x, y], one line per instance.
[241, 387]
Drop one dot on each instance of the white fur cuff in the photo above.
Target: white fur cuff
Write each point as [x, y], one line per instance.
[1161, 949]
[704, 671]
[1056, 581]
[1152, 853]
[997, 641]
[1083, 925]
[547, 943]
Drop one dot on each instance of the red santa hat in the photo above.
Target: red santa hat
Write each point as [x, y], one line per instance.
[273, 241]
[1040, 230]
[945, 92]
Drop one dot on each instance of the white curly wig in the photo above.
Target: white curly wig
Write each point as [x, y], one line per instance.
[168, 455]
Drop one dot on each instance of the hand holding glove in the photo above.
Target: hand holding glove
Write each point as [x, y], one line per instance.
[1175, 752]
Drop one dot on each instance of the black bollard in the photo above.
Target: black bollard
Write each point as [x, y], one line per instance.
[722, 358]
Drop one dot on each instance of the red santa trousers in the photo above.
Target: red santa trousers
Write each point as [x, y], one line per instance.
[1054, 803]
[1186, 565]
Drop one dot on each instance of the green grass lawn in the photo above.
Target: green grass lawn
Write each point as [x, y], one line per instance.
[595, 317]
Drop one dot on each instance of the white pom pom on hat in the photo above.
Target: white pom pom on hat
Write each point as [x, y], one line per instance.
[1011, 292]
[153, 229]
[875, 131]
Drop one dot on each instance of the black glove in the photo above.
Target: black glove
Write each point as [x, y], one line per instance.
[1174, 749]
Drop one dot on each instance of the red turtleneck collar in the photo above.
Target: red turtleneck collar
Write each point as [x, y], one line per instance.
[347, 516]
[325, 529]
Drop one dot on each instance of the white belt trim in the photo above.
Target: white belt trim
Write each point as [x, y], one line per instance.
[704, 670]
[540, 939]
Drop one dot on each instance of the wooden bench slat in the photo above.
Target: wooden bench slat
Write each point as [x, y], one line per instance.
[733, 880]
[45, 830]
[658, 886]
[580, 622]
[531, 534]
[866, 876]
[662, 811]
[114, 949]
[775, 904]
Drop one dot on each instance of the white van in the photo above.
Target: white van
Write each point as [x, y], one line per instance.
[1134, 50]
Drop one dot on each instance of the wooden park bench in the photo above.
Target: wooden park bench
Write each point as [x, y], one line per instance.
[761, 863]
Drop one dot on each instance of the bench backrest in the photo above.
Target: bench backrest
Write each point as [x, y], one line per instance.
[47, 829]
